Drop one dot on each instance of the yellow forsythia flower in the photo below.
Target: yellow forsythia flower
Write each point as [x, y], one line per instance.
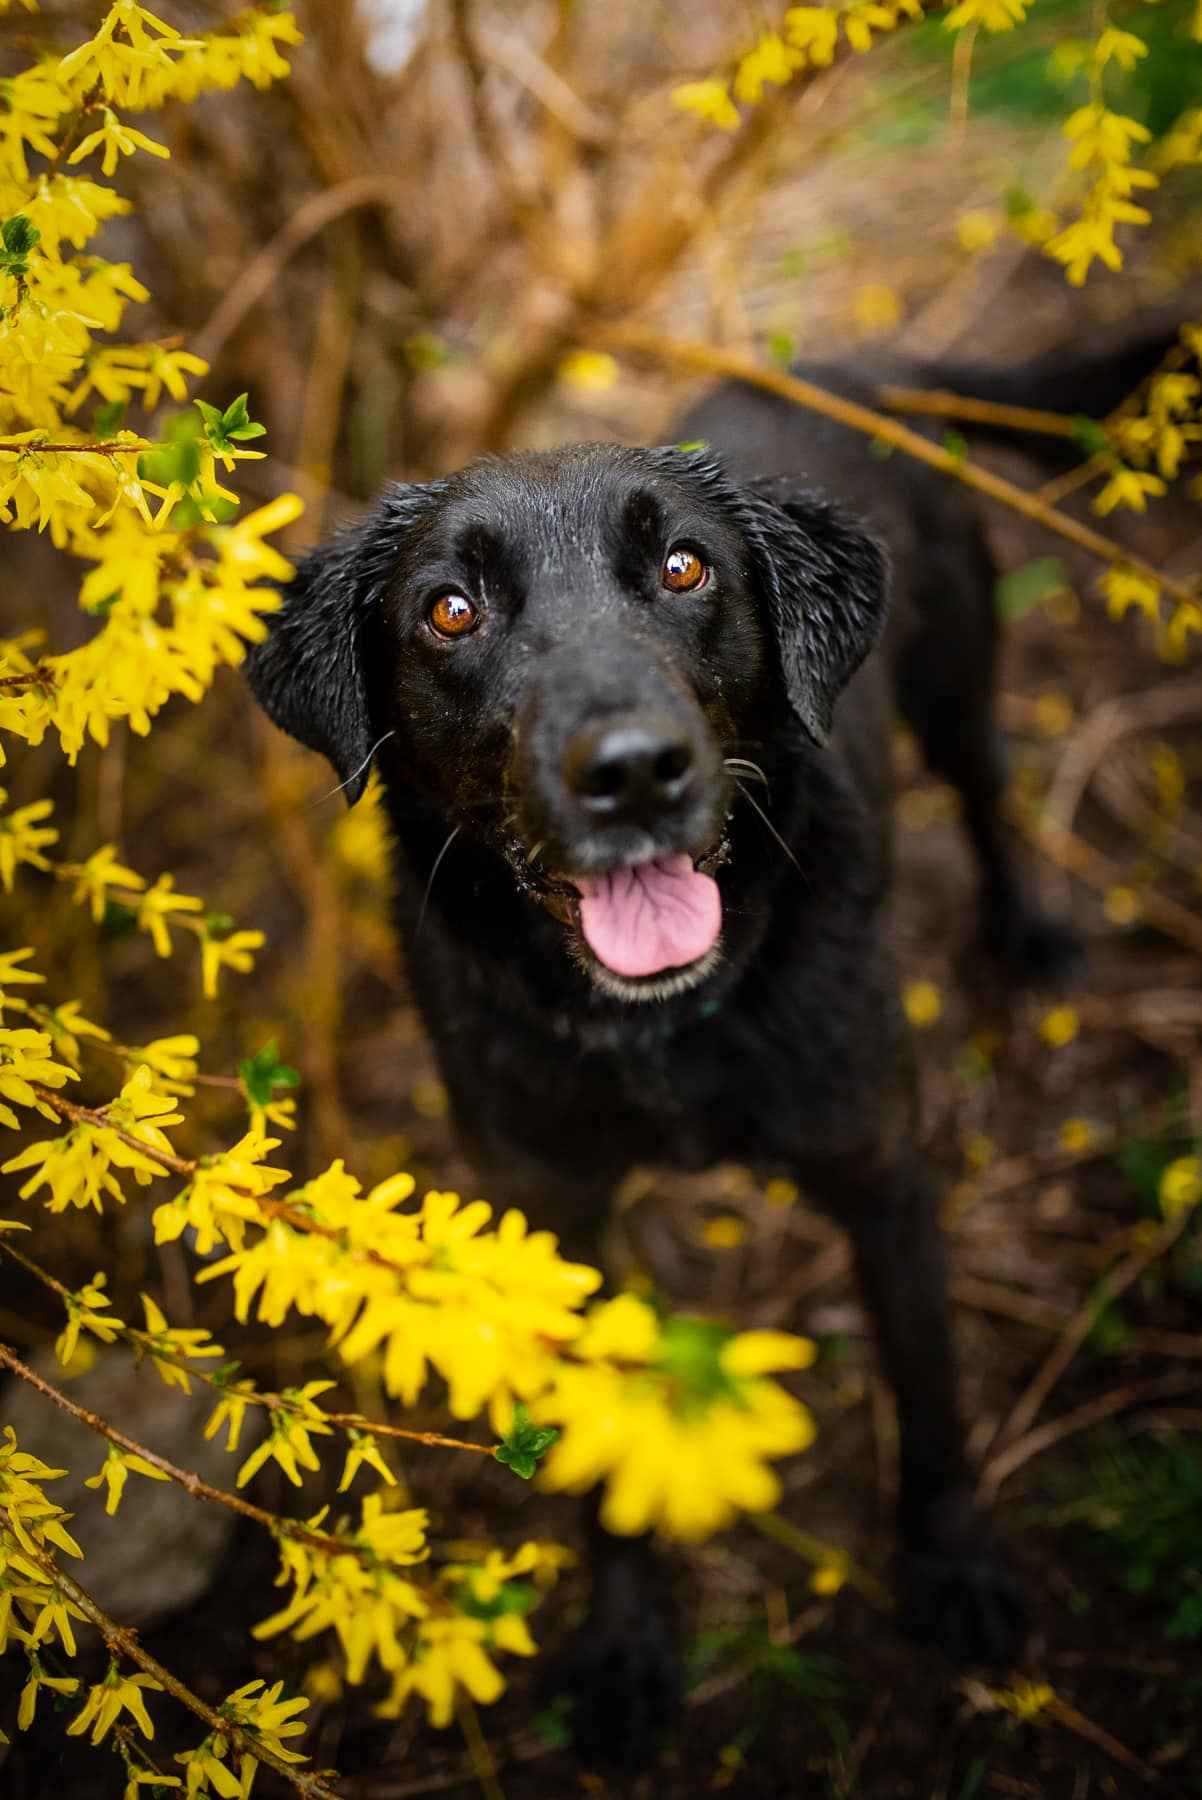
[591, 371]
[709, 100]
[1181, 1186]
[117, 1693]
[923, 1003]
[114, 1473]
[1059, 1026]
[683, 1442]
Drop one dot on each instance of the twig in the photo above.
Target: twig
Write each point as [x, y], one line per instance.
[708, 360]
[260, 274]
[1001, 1466]
[1077, 1330]
[484, 1766]
[1106, 726]
[35, 446]
[1071, 852]
[815, 1550]
[1103, 1740]
[521, 204]
[123, 1642]
[547, 86]
[192, 1483]
[943, 404]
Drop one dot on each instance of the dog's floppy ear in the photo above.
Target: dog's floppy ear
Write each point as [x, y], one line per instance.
[310, 674]
[826, 583]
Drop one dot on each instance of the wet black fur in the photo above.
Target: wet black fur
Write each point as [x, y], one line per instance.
[792, 1056]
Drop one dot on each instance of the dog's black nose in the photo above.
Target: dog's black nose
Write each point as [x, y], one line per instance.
[630, 766]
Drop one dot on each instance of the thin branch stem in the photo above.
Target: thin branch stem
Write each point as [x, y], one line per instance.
[704, 358]
[943, 404]
[816, 1550]
[36, 447]
[192, 1483]
[1069, 1343]
[123, 1642]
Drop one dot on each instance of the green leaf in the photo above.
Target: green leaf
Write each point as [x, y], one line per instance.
[1143, 1161]
[553, 1723]
[690, 1351]
[1089, 436]
[203, 508]
[781, 348]
[17, 239]
[178, 461]
[117, 919]
[235, 423]
[511, 1597]
[100, 609]
[263, 1074]
[236, 414]
[19, 236]
[524, 1444]
[956, 445]
[107, 419]
[1025, 587]
[692, 446]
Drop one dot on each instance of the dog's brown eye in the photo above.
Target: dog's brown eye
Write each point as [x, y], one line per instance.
[453, 616]
[683, 570]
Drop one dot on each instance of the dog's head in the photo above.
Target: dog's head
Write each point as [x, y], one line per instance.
[566, 649]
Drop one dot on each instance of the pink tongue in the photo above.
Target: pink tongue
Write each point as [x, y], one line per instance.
[660, 915]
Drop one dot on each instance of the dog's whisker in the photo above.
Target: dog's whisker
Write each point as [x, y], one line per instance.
[355, 773]
[748, 767]
[429, 885]
[753, 802]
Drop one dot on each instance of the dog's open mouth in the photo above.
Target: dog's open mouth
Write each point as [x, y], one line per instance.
[650, 918]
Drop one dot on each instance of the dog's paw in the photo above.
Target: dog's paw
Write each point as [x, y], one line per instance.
[620, 1692]
[967, 1602]
[1035, 948]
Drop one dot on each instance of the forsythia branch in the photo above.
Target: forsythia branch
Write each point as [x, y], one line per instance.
[192, 1483]
[123, 1642]
[688, 354]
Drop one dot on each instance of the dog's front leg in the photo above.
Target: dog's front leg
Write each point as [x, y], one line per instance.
[621, 1673]
[956, 1589]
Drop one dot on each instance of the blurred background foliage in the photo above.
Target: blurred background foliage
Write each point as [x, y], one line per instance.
[405, 253]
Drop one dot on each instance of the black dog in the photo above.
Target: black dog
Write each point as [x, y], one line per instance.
[575, 671]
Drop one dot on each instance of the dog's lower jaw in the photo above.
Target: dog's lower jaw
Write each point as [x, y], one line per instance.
[664, 986]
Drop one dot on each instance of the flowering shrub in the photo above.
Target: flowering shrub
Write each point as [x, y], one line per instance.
[677, 1418]
[1143, 449]
[1104, 143]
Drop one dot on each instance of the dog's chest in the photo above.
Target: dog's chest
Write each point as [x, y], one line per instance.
[744, 1089]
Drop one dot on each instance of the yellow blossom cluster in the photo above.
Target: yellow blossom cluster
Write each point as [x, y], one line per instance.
[102, 882]
[176, 588]
[1103, 147]
[674, 1415]
[40, 1608]
[431, 1635]
[808, 39]
[677, 1416]
[1104, 143]
[1147, 448]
